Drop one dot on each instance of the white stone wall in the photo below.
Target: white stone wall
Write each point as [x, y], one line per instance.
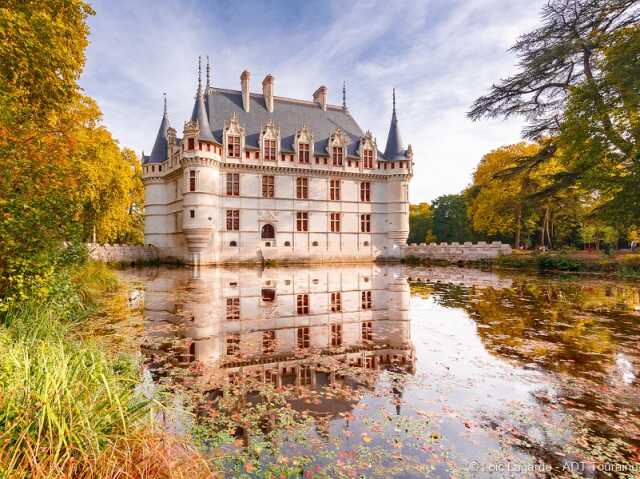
[457, 252]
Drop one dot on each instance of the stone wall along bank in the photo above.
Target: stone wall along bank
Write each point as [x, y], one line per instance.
[455, 252]
[122, 253]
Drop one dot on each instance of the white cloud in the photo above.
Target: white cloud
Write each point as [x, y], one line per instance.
[440, 55]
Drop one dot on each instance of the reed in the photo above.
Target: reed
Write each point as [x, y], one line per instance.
[68, 407]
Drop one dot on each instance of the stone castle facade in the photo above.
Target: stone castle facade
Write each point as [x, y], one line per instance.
[260, 177]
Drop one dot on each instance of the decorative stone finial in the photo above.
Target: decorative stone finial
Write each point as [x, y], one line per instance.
[165, 103]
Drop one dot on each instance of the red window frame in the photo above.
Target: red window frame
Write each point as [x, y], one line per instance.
[365, 191]
[233, 220]
[302, 221]
[233, 146]
[303, 152]
[233, 184]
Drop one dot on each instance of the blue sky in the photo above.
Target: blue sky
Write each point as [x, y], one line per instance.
[439, 55]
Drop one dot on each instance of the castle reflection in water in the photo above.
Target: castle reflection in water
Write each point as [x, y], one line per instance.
[302, 326]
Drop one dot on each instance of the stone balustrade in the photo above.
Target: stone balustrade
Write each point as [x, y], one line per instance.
[455, 252]
[122, 253]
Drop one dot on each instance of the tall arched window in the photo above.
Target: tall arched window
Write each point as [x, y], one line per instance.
[268, 232]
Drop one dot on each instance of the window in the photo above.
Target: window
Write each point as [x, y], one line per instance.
[233, 146]
[233, 244]
[268, 295]
[366, 300]
[233, 309]
[334, 222]
[368, 158]
[303, 152]
[192, 144]
[305, 375]
[365, 191]
[365, 223]
[302, 302]
[233, 344]
[336, 335]
[302, 221]
[336, 302]
[192, 213]
[192, 180]
[367, 331]
[233, 220]
[268, 187]
[270, 150]
[268, 341]
[303, 338]
[233, 184]
[334, 190]
[302, 188]
[337, 156]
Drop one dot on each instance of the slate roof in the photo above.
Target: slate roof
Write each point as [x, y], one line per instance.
[395, 148]
[160, 147]
[289, 115]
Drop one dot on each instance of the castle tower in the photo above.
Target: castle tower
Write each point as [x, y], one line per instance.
[398, 204]
[200, 176]
[155, 223]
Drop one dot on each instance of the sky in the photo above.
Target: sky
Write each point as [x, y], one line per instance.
[440, 55]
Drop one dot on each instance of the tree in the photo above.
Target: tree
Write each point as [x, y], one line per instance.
[420, 223]
[450, 220]
[62, 172]
[577, 85]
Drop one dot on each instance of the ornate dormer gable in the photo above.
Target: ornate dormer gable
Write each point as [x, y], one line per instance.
[303, 144]
[368, 150]
[270, 141]
[190, 134]
[233, 137]
[337, 147]
[172, 144]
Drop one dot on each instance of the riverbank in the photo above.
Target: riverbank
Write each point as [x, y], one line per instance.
[70, 403]
[621, 264]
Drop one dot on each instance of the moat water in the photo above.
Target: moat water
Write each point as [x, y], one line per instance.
[392, 371]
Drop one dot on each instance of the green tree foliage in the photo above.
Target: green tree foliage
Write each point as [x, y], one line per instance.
[450, 219]
[420, 223]
[501, 205]
[62, 172]
[578, 86]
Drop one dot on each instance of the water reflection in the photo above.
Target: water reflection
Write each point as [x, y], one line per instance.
[405, 372]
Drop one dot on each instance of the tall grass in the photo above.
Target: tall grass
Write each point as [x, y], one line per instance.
[67, 407]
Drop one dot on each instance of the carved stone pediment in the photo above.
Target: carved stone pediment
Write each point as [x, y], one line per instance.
[232, 126]
[267, 216]
[337, 138]
[270, 131]
[367, 142]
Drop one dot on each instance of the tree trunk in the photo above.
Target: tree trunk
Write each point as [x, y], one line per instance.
[518, 227]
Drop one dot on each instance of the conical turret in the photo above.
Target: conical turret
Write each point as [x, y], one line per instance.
[159, 153]
[199, 112]
[395, 148]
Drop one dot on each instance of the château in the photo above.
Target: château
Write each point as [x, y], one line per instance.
[258, 177]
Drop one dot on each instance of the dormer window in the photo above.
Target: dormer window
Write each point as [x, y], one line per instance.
[233, 146]
[270, 150]
[368, 158]
[337, 155]
[303, 153]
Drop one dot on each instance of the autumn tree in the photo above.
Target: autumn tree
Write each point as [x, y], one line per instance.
[578, 87]
[61, 170]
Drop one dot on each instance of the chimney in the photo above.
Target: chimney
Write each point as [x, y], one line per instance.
[244, 82]
[267, 91]
[320, 97]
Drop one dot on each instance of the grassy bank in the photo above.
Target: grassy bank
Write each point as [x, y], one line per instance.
[621, 264]
[69, 406]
